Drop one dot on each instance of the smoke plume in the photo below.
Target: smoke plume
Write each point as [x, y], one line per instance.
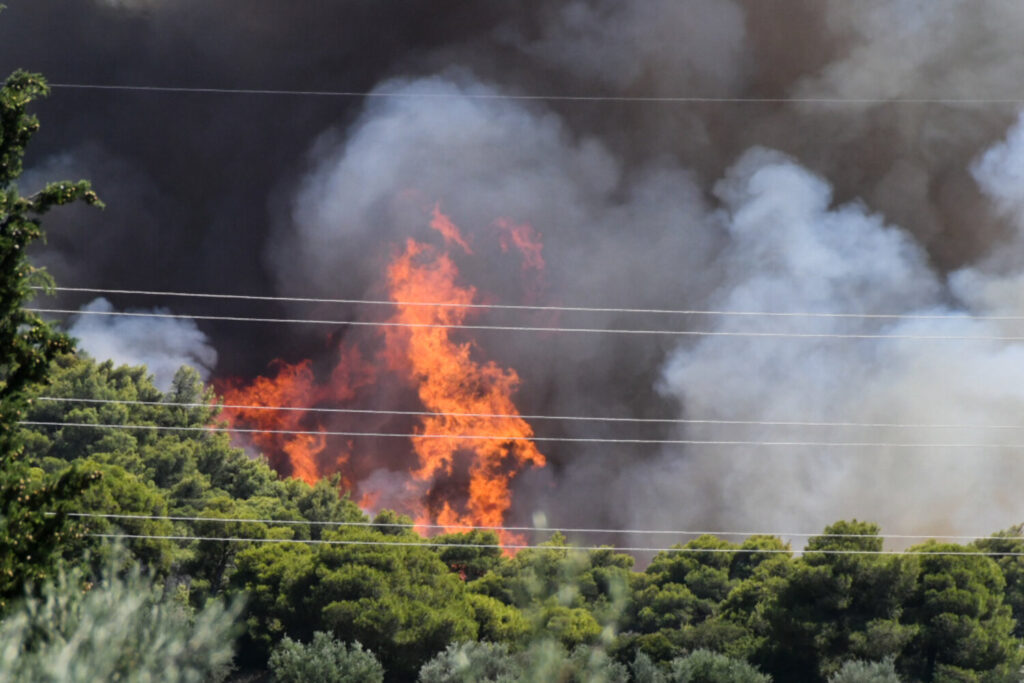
[858, 164]
[162, 344]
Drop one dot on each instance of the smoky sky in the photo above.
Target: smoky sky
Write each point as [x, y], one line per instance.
[825, 177]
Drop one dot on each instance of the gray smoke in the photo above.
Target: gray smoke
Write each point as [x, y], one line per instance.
[910, 208]
[789, 251]
[161, 344]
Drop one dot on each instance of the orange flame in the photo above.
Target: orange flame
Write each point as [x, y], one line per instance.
[523, 237]
[294, 386]
[444, 225]
[462, 475]
[450, 380]
[291, 386]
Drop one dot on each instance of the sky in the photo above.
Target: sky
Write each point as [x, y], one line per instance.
[717, 155]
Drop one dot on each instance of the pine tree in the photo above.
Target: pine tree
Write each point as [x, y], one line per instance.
[32, 522]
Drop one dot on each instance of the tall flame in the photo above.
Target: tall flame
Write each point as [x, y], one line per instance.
[461, 474]
[452, 382]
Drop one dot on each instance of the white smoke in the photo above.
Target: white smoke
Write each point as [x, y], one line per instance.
[789, 250]
[650, 237]
[161, 344]
[1000, 173]
[443, 141]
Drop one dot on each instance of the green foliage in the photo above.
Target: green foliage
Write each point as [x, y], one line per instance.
[836, 605]
[470, 563]
[120, 492]
[576, 597]
[964, 627]
[124, 627]
[549, 613]
[1012, 567]
[704, 665]
[688, 599]
[547, 660]
[29, 538]
[859, 671]
[697, 667]
[401, 601]
[497, 621]
[471, 662]
[324, 660]
[544, 660]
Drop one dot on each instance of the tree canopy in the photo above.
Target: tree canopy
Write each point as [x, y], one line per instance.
[33, 527]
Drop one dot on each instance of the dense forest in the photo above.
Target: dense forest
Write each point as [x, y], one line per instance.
[371, 598]
[139, 544]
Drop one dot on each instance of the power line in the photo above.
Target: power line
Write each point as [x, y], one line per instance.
[517, 328]
[538, 439]
[472, 527]
[593, 548]
[650, 99]
[566, 418]
[560, 309]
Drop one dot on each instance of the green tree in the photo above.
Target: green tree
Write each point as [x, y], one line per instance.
[574, 596]
[471, 662]
[548, 660]
[839, 604]
[704, 665]
[964, 627]
[1012, 566]
[28, 537]
[324, 660]
[859, 671]
[704, 594]
[119, 627]
[401, 601]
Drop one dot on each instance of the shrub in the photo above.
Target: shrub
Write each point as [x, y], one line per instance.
[704, 665]
[858, 671]
[124, 627]
[324, 660]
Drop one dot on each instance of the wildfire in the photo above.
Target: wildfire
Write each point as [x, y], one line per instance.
[461, 390]
[293, 386]
[459, 473]
[523, 237]
[290, 386]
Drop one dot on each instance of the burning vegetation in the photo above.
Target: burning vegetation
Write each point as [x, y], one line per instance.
[468, 441]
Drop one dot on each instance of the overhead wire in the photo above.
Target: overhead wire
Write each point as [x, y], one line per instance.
[519, 328]
[545, 308]
[526, 546]
[651, 99]
[539, 529]
[510, 416]
[535, 439]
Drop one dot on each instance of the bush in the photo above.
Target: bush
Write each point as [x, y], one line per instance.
[545, 660]
[857, 671]
[324, 660]
[122, 628]
[704, 665]
[471, 662]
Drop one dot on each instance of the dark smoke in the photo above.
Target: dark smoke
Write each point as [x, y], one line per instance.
[863, 205]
